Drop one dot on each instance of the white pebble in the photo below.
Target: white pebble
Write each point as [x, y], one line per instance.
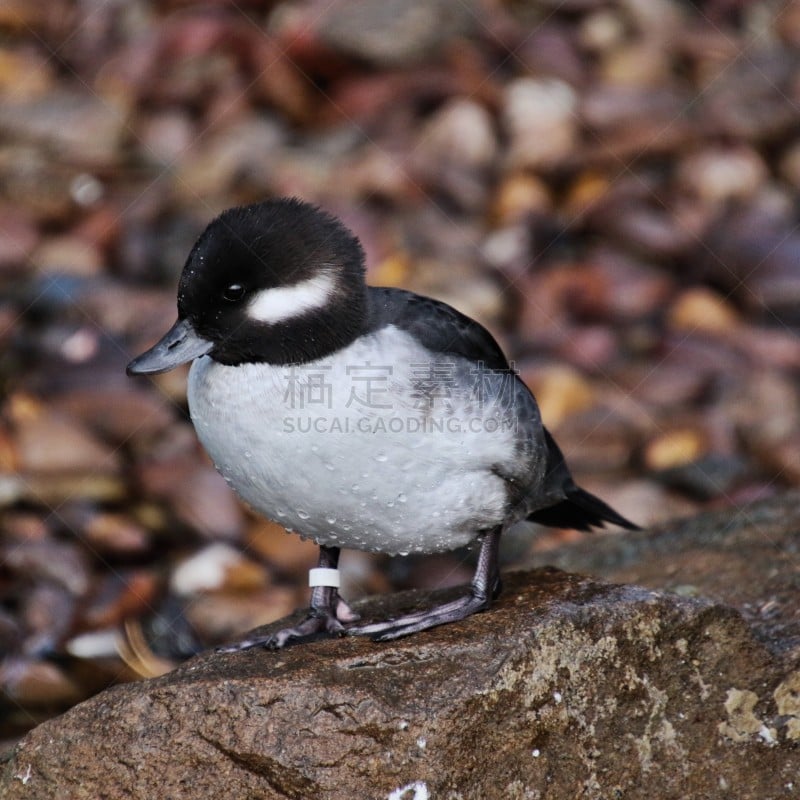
[85, 189]
[94, 644]
[541, 118]
[419, 788]
[461, 132]
[204, 571]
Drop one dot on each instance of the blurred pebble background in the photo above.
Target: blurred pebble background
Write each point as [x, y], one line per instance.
[611, 186]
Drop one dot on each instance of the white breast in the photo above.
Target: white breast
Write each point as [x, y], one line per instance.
[345, 451]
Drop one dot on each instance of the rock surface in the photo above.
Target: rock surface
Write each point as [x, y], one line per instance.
[746, 558]
[567, 687]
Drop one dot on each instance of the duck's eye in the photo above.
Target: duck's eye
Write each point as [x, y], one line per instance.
[234, 292]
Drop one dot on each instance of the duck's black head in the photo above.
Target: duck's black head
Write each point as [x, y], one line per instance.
[279, 282]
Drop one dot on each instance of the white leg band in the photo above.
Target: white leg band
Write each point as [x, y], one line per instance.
[323, 576]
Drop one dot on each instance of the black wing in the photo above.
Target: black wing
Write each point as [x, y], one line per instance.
[442, 329]
[436, 325]
[580, 509]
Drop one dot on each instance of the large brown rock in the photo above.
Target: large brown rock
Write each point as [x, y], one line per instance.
[566, 688]
[746, 558]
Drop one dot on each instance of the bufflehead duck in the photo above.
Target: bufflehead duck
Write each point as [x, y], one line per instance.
[361, 417]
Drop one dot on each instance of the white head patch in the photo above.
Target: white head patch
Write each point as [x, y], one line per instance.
[285, 302]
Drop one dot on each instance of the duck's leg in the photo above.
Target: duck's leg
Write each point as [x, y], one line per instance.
[484, 588]
[328, 613]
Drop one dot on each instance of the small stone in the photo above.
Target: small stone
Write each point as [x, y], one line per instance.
[286, 552]
[47, 443]
[49, 610]
[657, 21]
[721, 175]
[540, 116]
[62, 563]
[217, 566]
[611, 110]
[166, 137]
[18, 238]
[636, 64]
[86, 190]
[649, 230]
[765, 408]
[37, 684]
[751, 99]
[560, 391]
[689, 366]
[54, 489]
[598, 439]
[223, 615]
[25, 527]
[566, 293]
[781, 459]
[787, 23]
[712, 475]
[174, 472]
[94, 644]
[477, 295]
[643, 501]
[635, 289]
[285, 85]
[373, 173]
[75, 125]
[461, 132]
[393, 270]
[69, 255]
[116, 534]
[674, 448]
[551, 50]
[31, 181]
[121, 595]
[752, 250]
[20, 15]
[123, 416]
[240, 153]
[24, 72]
[700, 309]
[205, 502]
[519, 195]
[10, 633]
[391, 33]
[507, 249]
[591, 348]
[454, 150]
[602, 30]
[790, 165]
[768, 346]
[587, 189]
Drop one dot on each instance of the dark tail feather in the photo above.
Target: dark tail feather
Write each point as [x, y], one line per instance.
[581, 511]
